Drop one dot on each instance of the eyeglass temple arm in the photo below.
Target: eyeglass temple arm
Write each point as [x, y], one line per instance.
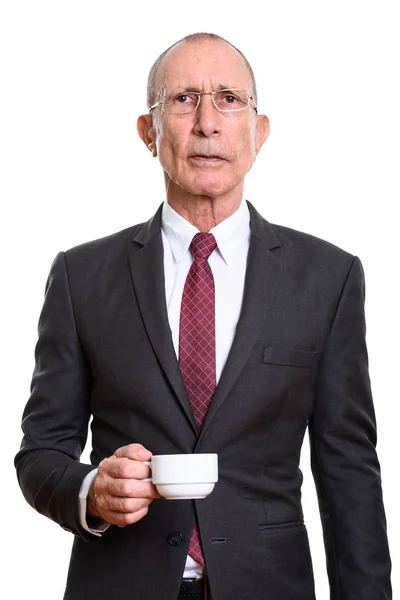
[155, 105]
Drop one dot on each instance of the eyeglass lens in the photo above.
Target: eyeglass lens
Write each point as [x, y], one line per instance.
[224, 100]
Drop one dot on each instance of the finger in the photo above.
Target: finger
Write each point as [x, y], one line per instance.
[123, 468]
[113, 504]
[134, 452]
[123, 519]
[129, 488]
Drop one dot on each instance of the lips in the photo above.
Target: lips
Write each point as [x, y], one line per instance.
[206, 157]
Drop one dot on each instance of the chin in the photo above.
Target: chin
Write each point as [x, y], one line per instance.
[208, 188]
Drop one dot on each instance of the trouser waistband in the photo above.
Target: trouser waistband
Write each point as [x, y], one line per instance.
[195, 589]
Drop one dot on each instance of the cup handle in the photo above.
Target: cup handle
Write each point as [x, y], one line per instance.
[148, 463]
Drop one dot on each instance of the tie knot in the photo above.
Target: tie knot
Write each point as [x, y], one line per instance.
[202, 245]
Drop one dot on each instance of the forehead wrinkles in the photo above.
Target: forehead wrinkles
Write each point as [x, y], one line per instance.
[201, 66]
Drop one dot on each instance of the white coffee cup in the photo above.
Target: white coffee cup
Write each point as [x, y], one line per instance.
[184, 476]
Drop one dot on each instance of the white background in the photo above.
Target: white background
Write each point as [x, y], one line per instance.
[73, 77]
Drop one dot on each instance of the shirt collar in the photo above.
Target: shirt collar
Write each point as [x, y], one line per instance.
[229, 234]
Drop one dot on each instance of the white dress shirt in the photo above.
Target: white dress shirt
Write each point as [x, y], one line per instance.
[228, 265]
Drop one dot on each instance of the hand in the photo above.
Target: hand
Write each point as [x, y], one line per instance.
[118, 493]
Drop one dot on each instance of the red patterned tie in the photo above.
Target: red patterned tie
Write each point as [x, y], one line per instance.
[197, 342]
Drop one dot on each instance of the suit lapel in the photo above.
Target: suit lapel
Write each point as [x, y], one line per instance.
[262, 275]
[147, 272]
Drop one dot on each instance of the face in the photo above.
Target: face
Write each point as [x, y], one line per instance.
[208, 152]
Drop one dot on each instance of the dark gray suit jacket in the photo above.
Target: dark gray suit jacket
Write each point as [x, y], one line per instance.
[298, 359]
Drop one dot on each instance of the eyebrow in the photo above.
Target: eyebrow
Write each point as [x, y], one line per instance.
[221, 86]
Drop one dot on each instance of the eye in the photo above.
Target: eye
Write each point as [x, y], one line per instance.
[185, 99]
[230, 98]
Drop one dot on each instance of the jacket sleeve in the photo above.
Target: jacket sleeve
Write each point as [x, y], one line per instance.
[343, 456]
[55, 419]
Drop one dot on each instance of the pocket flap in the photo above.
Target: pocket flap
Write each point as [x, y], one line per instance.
[291, 358]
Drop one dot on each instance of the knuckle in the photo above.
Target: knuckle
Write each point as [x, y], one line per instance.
[102, 466]
[136, 447]
[119, 523]
[137, 515]
[125, 505]
[116, 488]
[100, 486]
[125, 470]
[128, 488]
[143, 512]
[126, 519]
[131, 517]
[120, 452]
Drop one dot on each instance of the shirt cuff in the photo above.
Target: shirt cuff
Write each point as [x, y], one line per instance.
[101, 525]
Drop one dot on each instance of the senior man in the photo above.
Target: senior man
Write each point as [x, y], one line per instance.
[206, 329]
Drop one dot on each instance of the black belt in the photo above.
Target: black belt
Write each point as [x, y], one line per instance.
[194, 589]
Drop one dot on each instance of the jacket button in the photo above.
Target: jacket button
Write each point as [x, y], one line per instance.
[175, 538]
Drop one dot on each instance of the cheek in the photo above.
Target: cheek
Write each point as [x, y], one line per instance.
[169, 147]
[167, 155]
[246, 148]
[167, 131]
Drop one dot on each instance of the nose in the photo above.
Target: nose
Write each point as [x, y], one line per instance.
[208, 119]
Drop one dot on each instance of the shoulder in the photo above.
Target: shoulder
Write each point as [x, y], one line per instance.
[301, 252]
[104, 245]
[310, 245]
[320, 259]
[106, 251]
[293, 241]
[110, 247]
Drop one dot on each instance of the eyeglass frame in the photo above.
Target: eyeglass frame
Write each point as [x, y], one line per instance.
[212, 94]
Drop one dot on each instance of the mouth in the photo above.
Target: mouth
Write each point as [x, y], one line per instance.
[207, 158]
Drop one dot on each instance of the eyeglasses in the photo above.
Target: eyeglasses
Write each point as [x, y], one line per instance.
[232, 100]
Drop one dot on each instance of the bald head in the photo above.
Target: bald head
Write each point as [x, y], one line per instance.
[157, 68]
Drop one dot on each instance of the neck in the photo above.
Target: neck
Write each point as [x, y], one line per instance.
[204, 212]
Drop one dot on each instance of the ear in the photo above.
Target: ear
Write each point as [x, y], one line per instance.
[147, 132]
[262, 130]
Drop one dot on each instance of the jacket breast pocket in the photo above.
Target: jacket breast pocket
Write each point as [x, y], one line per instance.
[276, 355]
